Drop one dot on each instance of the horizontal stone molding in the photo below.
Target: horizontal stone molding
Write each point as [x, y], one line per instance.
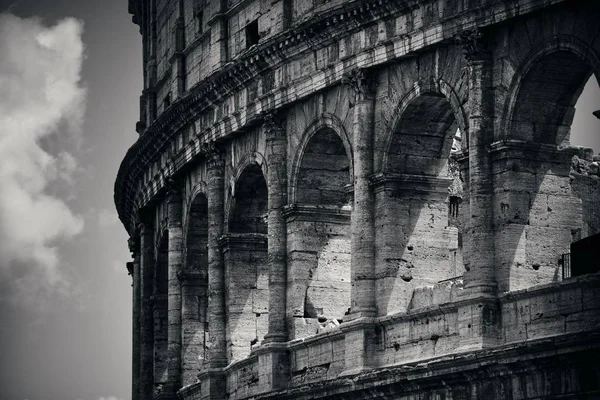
[317, 213]
[243, 241]
[399, 183]
[230, 80]
[523, 150]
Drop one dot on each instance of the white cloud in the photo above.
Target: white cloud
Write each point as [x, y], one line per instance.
[41, 102]
[107, 217]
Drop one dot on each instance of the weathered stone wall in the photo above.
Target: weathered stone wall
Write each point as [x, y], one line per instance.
[338, 240]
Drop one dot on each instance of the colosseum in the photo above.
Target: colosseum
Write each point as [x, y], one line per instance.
[363, 199]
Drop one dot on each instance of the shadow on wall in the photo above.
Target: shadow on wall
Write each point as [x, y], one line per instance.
[544, 198]
[246, 268]
[417, 227]
[319, 236]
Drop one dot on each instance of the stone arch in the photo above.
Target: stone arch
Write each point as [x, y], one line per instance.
[426, 87]
[249, 201]
[418, 193]
[251, 158]
[547, 199]
[200, 188]
[244, 249]
[327, 122]
[194, 285]
[318, 224]
[573, 50]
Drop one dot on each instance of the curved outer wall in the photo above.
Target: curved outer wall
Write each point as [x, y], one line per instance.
[361, 199]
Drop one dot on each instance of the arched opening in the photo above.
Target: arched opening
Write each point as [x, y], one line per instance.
[544, 107]
[546, 190]
[194, 294]
[319, 236]
[249, 208]
[246, 268]
[324, 171]
[419, 207]
[585, 130]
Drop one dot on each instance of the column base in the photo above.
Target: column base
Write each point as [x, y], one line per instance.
[169, 392]
[276, 337]
[360, 339]
[361, 313]
[274, 366]
[213, 384]
[479, 321]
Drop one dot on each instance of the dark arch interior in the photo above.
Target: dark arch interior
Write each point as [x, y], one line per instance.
[249, 213]
[423, 138]
[197, 235]
[324, 171]
[547, 96]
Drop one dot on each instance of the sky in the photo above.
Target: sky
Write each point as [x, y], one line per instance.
[70, 80]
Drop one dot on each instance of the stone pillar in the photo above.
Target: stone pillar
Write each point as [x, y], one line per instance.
[175, 259]
[178, 59]
[217, 23]
[363, 300]
[359, 335]
[481, 273]
[134, 247]
[479, 316]
[193, 324]
[212, 379]
[146, 378]
[216, 275]
[277, 239]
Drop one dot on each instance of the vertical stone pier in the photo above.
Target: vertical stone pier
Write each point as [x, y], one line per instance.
[363, 301]
[274, 361]
[175, 259]
[146, 319]
[359, 332]
[479, 316]
[134, 247]
[213, 379]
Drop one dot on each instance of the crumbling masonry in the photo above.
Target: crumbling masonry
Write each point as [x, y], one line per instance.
[367, 199]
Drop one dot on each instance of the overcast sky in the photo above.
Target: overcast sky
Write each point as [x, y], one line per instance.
[70, 80]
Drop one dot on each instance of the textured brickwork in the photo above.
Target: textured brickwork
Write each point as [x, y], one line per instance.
[362, 199]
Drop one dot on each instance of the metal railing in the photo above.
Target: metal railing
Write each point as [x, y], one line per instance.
[565, 262]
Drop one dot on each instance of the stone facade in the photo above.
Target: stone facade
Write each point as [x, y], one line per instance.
[352, 199]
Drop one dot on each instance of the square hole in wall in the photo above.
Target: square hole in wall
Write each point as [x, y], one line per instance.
[252, 36]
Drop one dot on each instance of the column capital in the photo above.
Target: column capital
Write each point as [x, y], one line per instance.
[274, 125]
[174, 189]
[214, 155]
[475, 45]
[362, 82]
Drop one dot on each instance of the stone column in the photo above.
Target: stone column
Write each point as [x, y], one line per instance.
[146, 377]
[481, 255]
[479, 316]
[359, 333]
[363, 300]
[277, 243]
[212, 379]
[175, 259]
[134, 248]
[216, 275]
